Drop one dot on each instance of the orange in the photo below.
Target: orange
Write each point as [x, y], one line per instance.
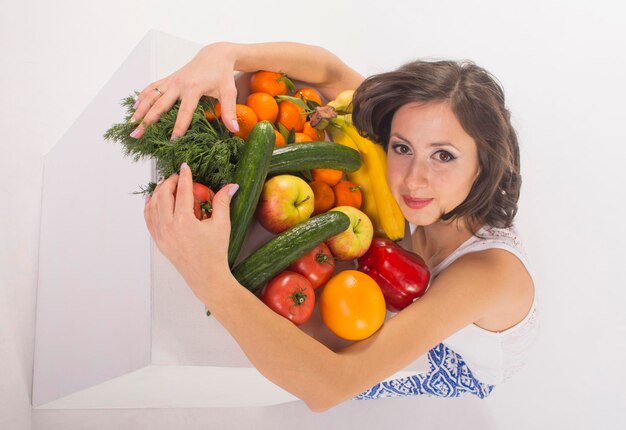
[352, 305]
[301, 137]
[329, 176]
[246, 118]
[263, 105]
[268, 82]
[291, 115]
[348, 194]
[209, 113]
[324, 197]
[308, 94]
[280, 140]
[315, 135]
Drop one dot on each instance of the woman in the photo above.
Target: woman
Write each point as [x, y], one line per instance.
[453, 166]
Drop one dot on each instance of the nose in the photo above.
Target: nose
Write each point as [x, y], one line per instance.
[418, 175]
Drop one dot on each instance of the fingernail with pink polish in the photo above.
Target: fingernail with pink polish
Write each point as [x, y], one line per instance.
[148, 197]
[235, 125]
[137, 133]
[233, 189]
[184, 166]
[136, 104]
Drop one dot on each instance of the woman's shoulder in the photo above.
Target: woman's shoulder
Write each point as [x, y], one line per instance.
[506, 280]
[504, 244]
[504, 251]
[488, 272]
[490, 263]
[494, 263]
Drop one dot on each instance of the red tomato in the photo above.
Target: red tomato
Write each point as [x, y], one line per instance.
[290, 295]
[317, 265]
[202, 201]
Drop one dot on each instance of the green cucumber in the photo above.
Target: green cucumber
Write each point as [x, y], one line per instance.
[314, 155]
[285, 248]
[250, 174]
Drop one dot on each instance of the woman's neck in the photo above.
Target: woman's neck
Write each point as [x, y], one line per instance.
[437, 241]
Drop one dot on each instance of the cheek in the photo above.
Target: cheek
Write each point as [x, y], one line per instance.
[449, 186]
[443, 178]
[459, 183]
[395, 175]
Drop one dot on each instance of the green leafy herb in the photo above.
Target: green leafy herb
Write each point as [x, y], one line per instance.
[208, 147]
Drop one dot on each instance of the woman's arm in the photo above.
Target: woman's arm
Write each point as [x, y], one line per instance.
[210, 73]
[312, 64]
[468, 290]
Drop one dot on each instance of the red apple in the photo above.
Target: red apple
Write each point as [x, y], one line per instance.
[356, 239]
[286, 200]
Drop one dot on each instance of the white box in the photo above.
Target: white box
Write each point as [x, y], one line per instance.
[116, 325]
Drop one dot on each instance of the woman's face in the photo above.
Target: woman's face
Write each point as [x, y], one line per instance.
[431, 161]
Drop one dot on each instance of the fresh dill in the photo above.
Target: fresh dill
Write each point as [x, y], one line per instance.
[209, 149]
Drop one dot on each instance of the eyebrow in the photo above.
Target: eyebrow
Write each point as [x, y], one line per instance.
[435, 144]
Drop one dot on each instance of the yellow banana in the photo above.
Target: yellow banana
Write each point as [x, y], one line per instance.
[361, 178]
[343, 102]
[339, 136]
[375, 159]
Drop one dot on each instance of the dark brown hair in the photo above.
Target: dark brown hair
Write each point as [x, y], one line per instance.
[477, 100]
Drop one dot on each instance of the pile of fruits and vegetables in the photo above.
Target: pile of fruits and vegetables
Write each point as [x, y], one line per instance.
[324, 201]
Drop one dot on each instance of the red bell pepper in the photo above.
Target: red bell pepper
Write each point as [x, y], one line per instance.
[402, 275]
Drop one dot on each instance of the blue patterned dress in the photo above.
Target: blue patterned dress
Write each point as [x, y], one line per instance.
[449, 376]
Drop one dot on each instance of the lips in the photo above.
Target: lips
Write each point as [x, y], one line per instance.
[416, 203]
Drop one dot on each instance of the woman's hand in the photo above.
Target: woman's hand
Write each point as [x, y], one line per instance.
[198, 249]
[209, 73]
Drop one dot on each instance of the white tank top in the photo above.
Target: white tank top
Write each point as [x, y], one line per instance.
[493, 357]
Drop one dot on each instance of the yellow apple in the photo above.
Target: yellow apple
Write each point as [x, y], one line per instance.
[356, 239]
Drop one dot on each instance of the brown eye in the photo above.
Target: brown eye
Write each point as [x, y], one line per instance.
[401, 149]
[444, 156]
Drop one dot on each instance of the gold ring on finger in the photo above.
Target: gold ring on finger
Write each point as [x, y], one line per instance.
[158, 91]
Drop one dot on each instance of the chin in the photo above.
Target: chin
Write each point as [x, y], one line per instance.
[419, 217]
[420, 222]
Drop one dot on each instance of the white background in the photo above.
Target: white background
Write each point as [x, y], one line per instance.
[562, 64]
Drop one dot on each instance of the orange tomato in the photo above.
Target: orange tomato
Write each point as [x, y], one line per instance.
[268, 82]
[264, 106]
[280, 140]
[348, 194]
[352, 305]
[291, 115]
[324, 197]
[316, 135]
[329, 176]
[246, 118]
[308, 94]
[301, 137]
